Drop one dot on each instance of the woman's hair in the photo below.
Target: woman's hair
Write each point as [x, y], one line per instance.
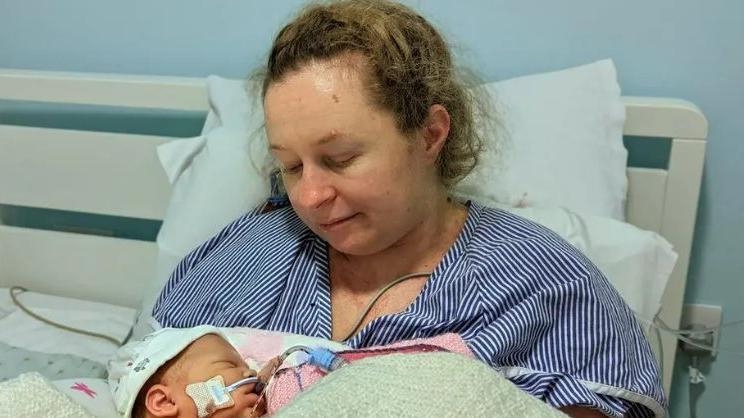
[409, 69]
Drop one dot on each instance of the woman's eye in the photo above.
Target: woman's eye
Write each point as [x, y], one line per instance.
[294, 169]
[340, 163]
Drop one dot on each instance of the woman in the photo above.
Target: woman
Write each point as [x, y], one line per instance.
[371, 128]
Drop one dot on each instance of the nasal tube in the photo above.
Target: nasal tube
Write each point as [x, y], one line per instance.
[324, 358]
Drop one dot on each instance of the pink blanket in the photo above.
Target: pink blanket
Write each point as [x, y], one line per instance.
[289, 382]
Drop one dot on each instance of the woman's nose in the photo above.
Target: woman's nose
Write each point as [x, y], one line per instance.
[313, 190]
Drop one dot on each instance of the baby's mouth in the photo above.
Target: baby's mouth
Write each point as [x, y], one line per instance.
[258, 388]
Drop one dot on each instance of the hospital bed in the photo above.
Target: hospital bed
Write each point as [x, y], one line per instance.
[118, 174]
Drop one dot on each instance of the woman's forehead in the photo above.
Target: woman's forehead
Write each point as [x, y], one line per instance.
[344, 66]
[319, 107]
[313, 89]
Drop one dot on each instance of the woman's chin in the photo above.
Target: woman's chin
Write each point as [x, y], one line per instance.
[352, 245]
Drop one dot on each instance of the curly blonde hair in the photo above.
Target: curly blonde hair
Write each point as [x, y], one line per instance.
[410, 68]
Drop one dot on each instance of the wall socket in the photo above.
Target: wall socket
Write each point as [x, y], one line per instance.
[709, 316]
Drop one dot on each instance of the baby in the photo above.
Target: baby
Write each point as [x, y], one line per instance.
[196, 372]
[171, 372]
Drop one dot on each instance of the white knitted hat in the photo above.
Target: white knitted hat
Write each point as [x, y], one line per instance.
[135, 362]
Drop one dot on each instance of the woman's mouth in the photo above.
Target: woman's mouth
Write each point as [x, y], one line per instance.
[337, 223]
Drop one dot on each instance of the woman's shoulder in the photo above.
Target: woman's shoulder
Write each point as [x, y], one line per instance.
[261, 216]
[501, 225]
[278, 223]
[252, 233]
[505, 244]
[249, 258]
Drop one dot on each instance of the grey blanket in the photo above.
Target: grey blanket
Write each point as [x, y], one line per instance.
[417, 385]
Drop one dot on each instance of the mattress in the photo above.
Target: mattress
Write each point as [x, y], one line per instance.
[15, 361]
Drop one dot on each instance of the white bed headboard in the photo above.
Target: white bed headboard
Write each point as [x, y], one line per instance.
[118, 174]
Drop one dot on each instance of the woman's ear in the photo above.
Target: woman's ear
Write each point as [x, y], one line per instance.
[159, 401]
[436, 130]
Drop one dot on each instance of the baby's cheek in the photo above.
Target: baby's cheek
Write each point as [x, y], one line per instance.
[243, 406]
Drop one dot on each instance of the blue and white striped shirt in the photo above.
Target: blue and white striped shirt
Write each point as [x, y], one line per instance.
[524, 300]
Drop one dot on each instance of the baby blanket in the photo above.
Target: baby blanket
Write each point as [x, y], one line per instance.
[30, 395]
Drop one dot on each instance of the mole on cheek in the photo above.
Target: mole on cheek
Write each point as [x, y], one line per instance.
[335, 98]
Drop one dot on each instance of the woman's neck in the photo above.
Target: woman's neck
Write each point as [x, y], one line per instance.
[419, 250]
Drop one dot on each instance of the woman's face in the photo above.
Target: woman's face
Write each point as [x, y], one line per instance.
[351, 175]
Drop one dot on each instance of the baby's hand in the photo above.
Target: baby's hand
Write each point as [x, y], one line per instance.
[269, 369]
[259, 408]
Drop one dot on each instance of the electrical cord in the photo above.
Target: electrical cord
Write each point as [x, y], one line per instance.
[696, 385]
[660, 351]
[682, 335]
[705, 329]
[16, 290]
[692, 400]
[696, 379]
[662, 325]
[657, 322]
[377, 296]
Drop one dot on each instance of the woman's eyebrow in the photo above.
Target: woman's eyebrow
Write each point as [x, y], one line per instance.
[334, 135]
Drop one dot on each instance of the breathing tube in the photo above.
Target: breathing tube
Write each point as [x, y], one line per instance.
[324, 358]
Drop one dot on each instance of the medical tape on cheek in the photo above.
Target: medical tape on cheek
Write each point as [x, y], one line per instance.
[209, 396]
[212, 395]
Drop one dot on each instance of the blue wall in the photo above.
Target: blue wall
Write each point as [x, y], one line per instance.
[690, 49]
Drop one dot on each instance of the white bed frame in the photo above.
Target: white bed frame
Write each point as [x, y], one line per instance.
[118, 174]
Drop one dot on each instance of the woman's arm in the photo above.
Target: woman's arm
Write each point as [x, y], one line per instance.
[566, 341]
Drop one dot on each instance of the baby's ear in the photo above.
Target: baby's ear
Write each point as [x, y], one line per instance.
[159, 401]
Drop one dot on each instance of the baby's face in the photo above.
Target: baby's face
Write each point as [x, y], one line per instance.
[206, 358]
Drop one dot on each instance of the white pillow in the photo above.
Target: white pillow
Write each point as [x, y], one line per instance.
[216, 177]
[638, 263]
[563, 144]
